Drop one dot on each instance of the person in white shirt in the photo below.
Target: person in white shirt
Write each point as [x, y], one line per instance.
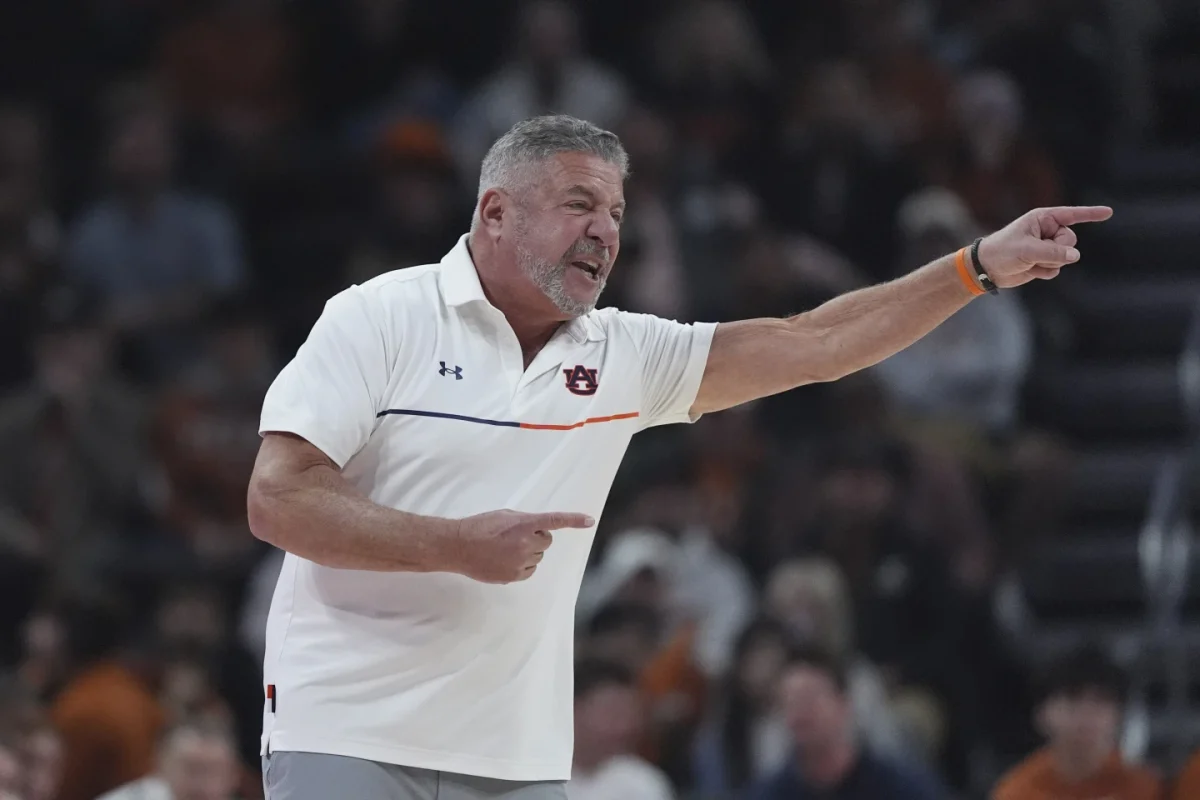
[609, 719]
[196, 761]
[440, 422]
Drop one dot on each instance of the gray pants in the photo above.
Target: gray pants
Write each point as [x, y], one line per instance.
[317, 776]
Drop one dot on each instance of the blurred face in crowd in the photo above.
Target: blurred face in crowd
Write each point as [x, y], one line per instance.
[199, 767]
[608, 721]
[565, 229]
[43, 756]
[141, 153]
[1081, 727]
[817, 711]
[758, 668]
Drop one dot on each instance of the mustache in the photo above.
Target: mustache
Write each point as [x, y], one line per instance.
[586, 248]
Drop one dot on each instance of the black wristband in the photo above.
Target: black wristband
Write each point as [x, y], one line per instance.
[985, 280]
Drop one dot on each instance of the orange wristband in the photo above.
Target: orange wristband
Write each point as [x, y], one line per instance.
[960, 261]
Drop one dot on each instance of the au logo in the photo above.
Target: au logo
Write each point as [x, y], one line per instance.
[581, 380]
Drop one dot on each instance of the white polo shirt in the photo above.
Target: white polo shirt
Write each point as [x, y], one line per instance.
[414, 383]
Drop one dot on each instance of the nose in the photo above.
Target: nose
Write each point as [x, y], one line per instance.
[604, 230]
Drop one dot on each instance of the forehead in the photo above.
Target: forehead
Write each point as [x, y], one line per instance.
[566, 172]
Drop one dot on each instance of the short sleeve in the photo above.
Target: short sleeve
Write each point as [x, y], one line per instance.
[330, 392]
[673, 356]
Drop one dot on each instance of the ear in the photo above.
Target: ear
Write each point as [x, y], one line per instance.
[492, 208]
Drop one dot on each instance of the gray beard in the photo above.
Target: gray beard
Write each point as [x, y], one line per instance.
[548, 276]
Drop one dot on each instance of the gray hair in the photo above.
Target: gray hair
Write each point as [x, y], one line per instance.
[534, 140]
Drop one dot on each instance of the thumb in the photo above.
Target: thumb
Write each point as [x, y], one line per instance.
[555, 520]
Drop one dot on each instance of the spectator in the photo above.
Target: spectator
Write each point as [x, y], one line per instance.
[696, 584]
[1001, 167]
[206, 436]
[970, 371]
[419, 204]
[829, 762]
[106, 710]
[211, 675]
[832, 173]
[811, 599]
[652, 278]
[744, 737]
[196, 761]
[75, 440]
[608, 724]
[904, 600]
[547, 74]
[1080, 716]
[713, 77]
[156, 254]
[230, 64]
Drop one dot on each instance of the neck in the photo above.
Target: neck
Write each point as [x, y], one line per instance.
[828, 765]
[524, 310]
[1078, 767]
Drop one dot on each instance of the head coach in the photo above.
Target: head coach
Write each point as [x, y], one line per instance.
[436, 455]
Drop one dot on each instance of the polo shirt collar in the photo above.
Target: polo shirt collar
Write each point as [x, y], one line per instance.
[460, 285]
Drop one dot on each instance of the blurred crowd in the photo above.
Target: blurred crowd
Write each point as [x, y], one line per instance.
[182, 185]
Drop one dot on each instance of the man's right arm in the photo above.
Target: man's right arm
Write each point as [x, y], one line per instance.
[299, 502]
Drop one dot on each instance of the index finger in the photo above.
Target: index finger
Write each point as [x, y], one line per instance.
[556, 520]
[1070, 215]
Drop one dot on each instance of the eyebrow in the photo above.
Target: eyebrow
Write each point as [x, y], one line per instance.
[580, 189]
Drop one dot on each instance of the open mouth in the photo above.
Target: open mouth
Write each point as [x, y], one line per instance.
[592, 270]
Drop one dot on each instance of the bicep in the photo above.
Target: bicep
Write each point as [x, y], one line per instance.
[755, 358]
[330, 393]
[283, 456]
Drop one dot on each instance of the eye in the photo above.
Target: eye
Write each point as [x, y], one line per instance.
[577, 205]
[618, 217]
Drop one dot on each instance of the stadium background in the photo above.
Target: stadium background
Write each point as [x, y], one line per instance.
[1017, 483]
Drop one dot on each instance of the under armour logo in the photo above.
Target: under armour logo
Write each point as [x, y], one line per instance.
[581, 380]
[456, 371]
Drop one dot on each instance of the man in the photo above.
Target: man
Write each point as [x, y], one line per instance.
[441, 421]
[158, 256]
[830, 763]
[1080, 717]
[196, 761]
[609, 718]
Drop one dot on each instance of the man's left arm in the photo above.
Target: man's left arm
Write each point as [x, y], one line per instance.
[755, 358]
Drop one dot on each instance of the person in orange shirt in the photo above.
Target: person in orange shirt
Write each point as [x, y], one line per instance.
[1080, 716]
[104, 706]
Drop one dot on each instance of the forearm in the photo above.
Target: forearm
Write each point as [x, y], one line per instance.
[862, 328]
[760, 357]
[318, 516]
